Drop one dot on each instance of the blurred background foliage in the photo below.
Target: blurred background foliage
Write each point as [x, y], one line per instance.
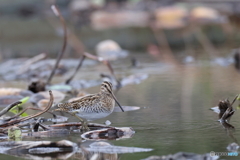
[29, 27]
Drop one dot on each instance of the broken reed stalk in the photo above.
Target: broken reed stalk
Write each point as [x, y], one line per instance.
[105, 62]
[45, 110]
[6, 109]
[234, 99]
[76, 125]
[17, 115]
[163, 42]
[60, 54]
[187, 41]
[205, 42]
[77, 44]
[100, 59]
[229, 111]
[78, 67]
[13, 122]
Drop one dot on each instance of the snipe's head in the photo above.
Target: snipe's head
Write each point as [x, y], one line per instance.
[106, 87]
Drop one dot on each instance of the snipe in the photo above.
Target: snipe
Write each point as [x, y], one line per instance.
[93, 106]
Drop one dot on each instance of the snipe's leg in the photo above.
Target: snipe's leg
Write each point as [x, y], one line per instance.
[84, 123]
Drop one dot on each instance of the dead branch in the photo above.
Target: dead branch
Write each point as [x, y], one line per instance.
[77, 125]
[205, 42]
[6, 109]
[15, 121]
[78, 67]
[77, 44]
[163, 42]
[105, 62]
[234, 99]
[17, 115]
[60, 54]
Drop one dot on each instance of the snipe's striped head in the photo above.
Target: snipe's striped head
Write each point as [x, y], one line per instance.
[106, 87]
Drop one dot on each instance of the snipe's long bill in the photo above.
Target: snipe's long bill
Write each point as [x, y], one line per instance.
[116, 100]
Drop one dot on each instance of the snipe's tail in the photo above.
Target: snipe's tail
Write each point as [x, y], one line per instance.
[62, 107]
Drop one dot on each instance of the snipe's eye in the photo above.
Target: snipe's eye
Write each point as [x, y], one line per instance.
[105, 85]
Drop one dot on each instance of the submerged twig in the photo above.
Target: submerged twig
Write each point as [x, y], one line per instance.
[60, 55]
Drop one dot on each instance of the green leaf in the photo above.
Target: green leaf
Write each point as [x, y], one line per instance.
[24, 100]
[16, 109]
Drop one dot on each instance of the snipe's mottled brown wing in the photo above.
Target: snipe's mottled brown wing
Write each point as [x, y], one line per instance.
[86, 101]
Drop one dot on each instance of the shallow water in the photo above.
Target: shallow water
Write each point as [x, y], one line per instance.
[174, 114]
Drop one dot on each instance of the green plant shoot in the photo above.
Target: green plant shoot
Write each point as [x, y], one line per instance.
[16, 109]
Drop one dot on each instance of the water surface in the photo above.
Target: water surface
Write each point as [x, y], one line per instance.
[175, 102]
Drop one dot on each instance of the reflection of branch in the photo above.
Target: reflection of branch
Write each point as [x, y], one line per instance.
[60, 54]
[229, 132]
[226, 125]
